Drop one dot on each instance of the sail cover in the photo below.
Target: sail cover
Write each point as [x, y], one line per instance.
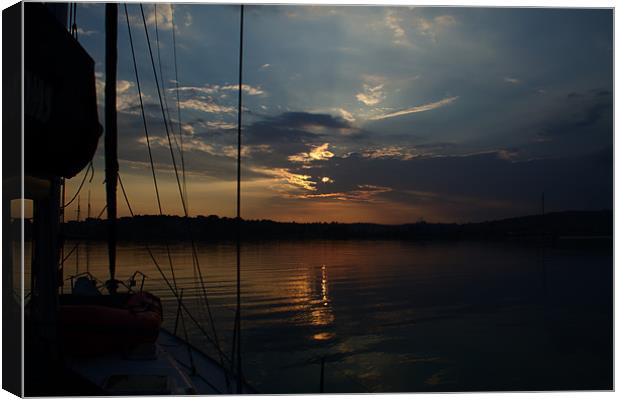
[61, 126]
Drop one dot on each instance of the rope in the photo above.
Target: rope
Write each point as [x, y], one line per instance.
[89, 169]
[120, 182]
[148, 142]
[194, 252]
[87, 242]
[102, 210]
[163, 112]
[146, 130]
[176, 79]
[62, 235]
[180, 130]
[175, 292]
[70, 24]
[70, 252]
[77, 249]
[176, 171]
[74, 30]
[161, 72]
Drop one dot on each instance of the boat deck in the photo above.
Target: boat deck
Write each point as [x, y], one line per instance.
[164, 368]
[209, 376]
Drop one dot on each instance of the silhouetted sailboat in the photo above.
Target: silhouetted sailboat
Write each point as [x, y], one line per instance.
[100, 338]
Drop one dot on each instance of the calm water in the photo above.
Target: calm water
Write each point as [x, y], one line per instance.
[398, 316]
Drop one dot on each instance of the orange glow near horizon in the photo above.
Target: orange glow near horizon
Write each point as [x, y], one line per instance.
[281, 197]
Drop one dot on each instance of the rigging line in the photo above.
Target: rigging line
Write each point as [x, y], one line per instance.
[77, 252]
[102, 210]
[175, 292]
[161, 77]
[161, 104]
[87, 247]
[70, 252]
[63, 257]
[181, 149]
[172, 289]
[189, 349]
[120, 182]
[146, 133]
[176, 173]
[152, 165]
[70, 23]
[237, 328]
[74, 30]
[176, 80]
[174, 281]
[161, 72]
[146, 130]
[90, 169]
[62, 226]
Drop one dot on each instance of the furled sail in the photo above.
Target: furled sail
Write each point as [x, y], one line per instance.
[61, 126]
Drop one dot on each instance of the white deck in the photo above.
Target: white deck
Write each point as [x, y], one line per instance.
[209, 378]
[169, 362]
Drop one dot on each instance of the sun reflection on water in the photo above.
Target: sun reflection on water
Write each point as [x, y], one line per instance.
[321, 312]
[324, 285]
[323, 336]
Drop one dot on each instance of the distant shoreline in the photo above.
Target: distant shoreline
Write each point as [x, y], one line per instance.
[573, 225]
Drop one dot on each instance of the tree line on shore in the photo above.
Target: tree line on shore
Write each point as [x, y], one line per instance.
[214, 228]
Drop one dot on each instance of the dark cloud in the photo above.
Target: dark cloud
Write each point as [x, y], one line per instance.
[479, 185]
[581, 113]
[594, 113]
[436, 146]
[303, 119]
[267, 132]
[292, 127]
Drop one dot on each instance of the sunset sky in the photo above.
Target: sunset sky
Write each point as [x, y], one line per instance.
[371, 114]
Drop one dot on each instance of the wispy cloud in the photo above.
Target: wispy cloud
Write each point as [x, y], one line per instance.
[252, 91]
[318, 153]
[433, 27]
[193, 143]
[205, 105]
[363, 193]
[292, 180]
[346, 115]
[389, 152]
[190, 144]
[164, 17]
[218, 89]
[419, 108]
[83, 32]
[212, 98]
[513, 81]
[200, 126]
[394, 23]
[127, 99]
[372, 95]
[220, 125]
[247, 151]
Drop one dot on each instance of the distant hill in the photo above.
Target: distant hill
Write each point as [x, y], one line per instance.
[214, 228]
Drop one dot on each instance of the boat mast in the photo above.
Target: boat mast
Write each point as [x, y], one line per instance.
[238, 222]
[111, 157]
[236, 342]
